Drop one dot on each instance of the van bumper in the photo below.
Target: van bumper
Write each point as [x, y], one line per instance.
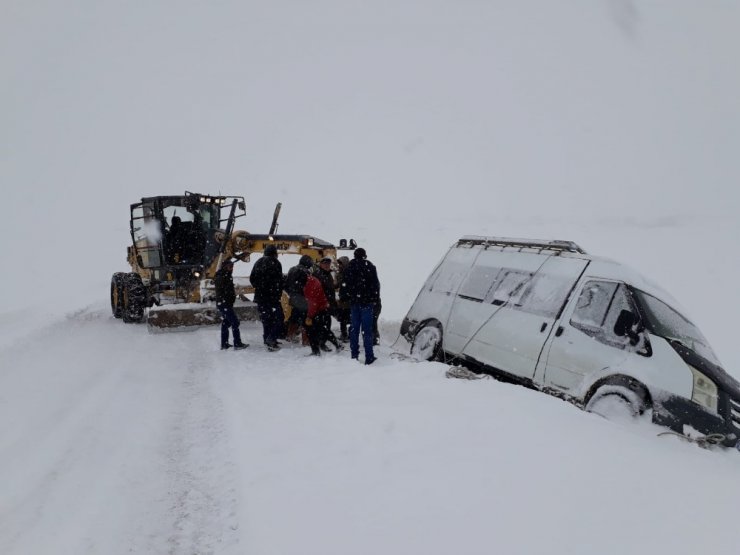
[408, 327]
[685, 417]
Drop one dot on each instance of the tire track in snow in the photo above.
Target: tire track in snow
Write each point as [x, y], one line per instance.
[202, 468]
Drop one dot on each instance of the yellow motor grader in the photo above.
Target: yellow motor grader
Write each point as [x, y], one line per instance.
[178, 244]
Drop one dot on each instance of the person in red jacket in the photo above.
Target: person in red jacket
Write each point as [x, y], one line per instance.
[318, 318]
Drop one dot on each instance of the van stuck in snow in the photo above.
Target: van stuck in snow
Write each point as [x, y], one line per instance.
[549, 316]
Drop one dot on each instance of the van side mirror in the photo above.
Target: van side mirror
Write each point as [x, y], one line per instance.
[625, 326]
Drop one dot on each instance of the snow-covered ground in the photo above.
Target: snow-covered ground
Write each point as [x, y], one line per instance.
[117, 441]
[404, 125]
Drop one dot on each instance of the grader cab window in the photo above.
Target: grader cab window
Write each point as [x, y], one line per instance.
[184, 238]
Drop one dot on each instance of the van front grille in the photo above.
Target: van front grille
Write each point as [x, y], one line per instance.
[735, 412]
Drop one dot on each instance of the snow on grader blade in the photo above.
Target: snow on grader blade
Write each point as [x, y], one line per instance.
[178, 244]
[190, 316]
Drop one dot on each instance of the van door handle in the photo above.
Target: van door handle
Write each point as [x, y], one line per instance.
[559, 331]
[543, 327]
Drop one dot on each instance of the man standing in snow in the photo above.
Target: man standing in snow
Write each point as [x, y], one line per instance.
[343, 301]
[323, 274]
[294, 284]
[225, 297]
[267, 280]
[363, 289]
[317, 315]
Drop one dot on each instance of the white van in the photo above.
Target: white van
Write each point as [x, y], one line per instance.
[547, 315]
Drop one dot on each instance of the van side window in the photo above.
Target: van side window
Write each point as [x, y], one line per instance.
[478, 283]
[597, 310]
[592, 305]
[622, 301]
[511, 288]
[546, 294]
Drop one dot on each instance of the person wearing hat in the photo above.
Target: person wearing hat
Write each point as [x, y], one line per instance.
[363, 289]
[225, 297]
[267, 280]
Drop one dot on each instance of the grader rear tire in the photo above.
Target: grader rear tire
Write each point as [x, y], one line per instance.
[116, 294]
[134, 298]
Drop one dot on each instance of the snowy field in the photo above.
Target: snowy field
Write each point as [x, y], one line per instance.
[404, 125]
[118, 441]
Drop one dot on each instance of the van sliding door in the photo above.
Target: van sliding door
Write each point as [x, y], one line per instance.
[520, 310]
[472, 306]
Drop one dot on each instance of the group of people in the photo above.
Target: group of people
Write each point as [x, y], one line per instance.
[315, 295]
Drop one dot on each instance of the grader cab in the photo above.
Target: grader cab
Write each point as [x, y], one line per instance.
[178, 244]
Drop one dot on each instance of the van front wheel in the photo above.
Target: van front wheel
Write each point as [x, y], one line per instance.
[427, 344]
[616, 402]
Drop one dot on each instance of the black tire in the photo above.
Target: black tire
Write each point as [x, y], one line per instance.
[116, 294]
[134, 298]
[427, 343]
[618, 400]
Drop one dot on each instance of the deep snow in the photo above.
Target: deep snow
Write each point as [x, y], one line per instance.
[404, 125]
[118, 441]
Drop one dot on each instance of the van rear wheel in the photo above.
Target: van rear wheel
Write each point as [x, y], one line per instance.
[427, 344]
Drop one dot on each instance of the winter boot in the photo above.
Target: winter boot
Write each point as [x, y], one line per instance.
[292, 331]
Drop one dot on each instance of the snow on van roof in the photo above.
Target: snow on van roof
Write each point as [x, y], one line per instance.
[599, 267]
[553, 244]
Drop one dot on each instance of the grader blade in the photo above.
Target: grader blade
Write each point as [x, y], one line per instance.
[187, 316]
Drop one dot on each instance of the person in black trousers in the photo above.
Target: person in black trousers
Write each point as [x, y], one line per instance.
[294, 284]
[343, 300]
[225, 297]
[322, 272]
[267, 280]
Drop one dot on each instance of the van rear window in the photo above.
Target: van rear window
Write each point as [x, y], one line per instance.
[479, 282]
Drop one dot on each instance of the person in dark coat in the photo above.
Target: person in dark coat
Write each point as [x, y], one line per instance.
[225, 297]
[318, 319]
[343, 299]
[376, 316]
[363, 289]
[267, 280]
[294, 284]
[175, 238]
[323, 274]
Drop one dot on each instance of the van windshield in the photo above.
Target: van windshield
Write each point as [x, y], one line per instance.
[666, 322]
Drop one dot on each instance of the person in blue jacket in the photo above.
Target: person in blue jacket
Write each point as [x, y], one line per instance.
[363, 291]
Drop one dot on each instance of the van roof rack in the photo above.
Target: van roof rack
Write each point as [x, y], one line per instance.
[555, 245]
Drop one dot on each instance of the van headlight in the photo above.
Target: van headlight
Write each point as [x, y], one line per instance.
[705, 391]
